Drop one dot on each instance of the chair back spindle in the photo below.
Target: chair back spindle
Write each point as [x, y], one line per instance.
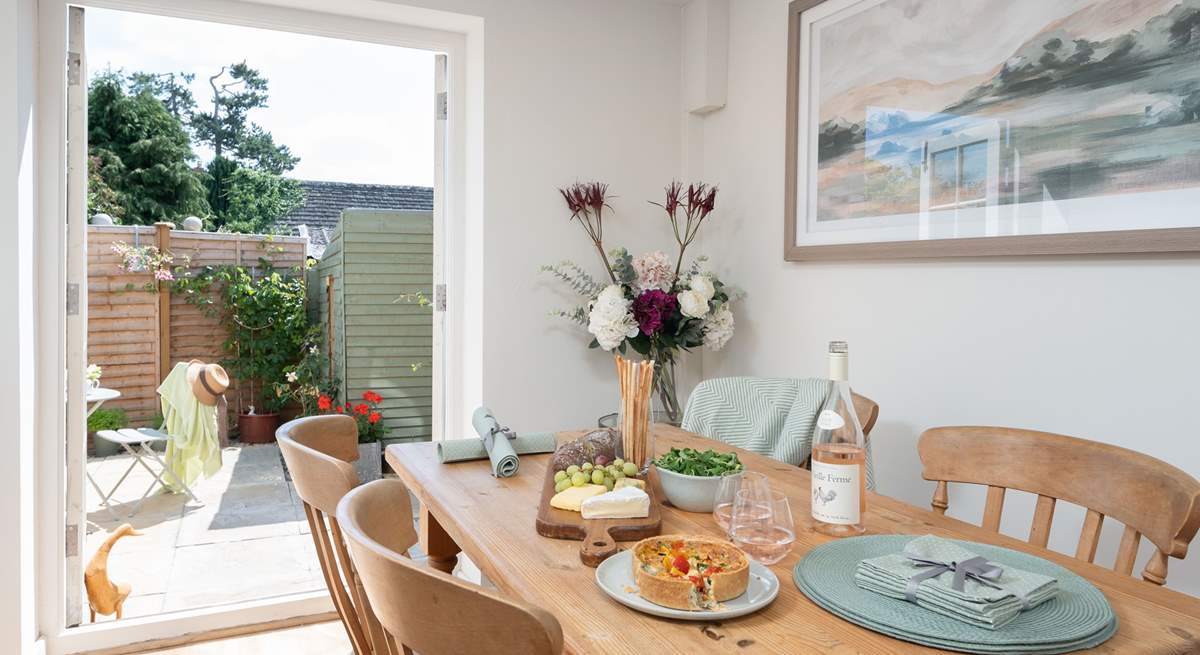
[1151, 498]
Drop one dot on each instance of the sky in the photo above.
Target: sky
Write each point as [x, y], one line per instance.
[352, 112]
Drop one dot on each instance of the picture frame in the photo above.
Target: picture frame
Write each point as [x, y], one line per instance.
[1001, 214]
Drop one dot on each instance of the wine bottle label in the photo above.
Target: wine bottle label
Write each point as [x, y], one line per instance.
[830, 420]
[835, 489]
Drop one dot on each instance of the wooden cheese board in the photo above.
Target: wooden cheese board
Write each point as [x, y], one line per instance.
[599, 536]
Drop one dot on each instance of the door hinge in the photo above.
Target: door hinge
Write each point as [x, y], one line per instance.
[72, 545]
[74, 65]
[72, 299]
[439, 298]
[441, 106]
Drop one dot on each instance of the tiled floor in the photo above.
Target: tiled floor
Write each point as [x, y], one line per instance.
[247, 538]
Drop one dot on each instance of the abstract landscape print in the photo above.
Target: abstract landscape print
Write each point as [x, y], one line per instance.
[921, 109]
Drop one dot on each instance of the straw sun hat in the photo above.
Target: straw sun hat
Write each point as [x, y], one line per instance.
[208, 381]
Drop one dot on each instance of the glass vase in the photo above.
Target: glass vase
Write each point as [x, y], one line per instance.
[664, 388]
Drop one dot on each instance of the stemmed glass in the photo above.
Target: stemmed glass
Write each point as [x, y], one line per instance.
[756, 484]
[762, 525]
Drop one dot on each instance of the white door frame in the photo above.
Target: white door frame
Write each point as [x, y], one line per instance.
[460, 38]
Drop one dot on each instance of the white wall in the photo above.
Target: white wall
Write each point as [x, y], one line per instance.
[1099, 347]
[17, 629]
[574, 90]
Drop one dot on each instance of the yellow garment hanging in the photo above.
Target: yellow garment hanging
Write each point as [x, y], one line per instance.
[194, 449]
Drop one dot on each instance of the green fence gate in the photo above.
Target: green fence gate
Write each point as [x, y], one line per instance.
[364, 293]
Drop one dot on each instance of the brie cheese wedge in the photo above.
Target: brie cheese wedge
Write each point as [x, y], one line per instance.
[623, 503]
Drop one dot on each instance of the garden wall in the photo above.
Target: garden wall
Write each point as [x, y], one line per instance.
[136, 335]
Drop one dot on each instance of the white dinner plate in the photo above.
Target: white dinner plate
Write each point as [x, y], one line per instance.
[615, 577]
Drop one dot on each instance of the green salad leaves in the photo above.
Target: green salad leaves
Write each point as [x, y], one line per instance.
[689, 461]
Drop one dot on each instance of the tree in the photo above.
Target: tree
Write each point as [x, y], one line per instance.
[255, 199]
[142, 155]
[237, 89]
[171, 89]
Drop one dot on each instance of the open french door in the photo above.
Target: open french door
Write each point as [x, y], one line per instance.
[76, 314]
[440, 114]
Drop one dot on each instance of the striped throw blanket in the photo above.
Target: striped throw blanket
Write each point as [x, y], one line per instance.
[769, 416]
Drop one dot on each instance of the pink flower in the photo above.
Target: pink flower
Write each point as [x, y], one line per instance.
[163, 275]
[654, 308]
[654, 271]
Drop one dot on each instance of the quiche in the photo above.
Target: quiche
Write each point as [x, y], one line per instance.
[689, 573]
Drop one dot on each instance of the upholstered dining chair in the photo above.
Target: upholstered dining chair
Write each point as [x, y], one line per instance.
[412, 601]
[1150, 497]
[768, 416]
[318, 451]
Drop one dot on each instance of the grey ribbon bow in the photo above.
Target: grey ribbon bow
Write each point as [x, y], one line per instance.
[976, 568]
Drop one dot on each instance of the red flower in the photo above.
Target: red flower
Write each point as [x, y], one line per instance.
[361, 408]
[372, 397]
[324, 403]
[374, 417]
[341, 410]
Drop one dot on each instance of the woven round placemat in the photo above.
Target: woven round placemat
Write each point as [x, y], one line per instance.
[1079, 617]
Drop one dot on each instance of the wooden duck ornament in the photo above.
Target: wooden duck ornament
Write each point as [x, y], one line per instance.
[104, 596]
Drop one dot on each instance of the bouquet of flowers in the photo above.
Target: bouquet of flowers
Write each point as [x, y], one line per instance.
[648, 305]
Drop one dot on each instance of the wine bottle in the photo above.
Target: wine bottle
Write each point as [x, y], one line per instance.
[839, 456]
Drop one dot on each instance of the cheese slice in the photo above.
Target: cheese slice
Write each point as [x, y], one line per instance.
[572, 497]
[623, 503]
[630, 482]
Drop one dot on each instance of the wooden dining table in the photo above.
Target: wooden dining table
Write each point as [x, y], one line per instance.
[491, 520]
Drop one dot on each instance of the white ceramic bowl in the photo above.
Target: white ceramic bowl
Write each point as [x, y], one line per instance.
[690, 493]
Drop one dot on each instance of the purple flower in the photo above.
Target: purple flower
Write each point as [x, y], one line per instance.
[652, 309]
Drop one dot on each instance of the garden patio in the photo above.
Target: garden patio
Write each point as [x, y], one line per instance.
[247, 539]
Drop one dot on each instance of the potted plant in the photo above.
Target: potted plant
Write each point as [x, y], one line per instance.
[370, 430]
[263, 308]
[106, 418]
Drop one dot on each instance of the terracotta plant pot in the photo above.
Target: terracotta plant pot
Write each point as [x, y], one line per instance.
[257, 428]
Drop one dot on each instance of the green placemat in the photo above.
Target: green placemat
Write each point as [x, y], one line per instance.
[1080, 617]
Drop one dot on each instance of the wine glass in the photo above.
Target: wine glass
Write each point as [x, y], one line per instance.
[728, 488]
[762, 526]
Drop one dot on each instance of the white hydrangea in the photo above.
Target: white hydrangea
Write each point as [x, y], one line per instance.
[693, 304]
[610, 320]
[702, 284]
[654, 271]
[718, 328]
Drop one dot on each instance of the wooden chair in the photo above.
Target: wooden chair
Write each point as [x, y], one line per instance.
[426, 610]
[318, 451]
[1150, 497]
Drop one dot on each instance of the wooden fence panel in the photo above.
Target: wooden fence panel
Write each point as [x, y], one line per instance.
[125, 335]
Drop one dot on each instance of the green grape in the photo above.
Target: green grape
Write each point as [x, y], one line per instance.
[611, 469]
[630, 469]
[560, 476]
[562, 485]
[578, 479]
[587, 466]
[618, 462]
[597, 477]
[572, 470]
[609, 483]
[618, 475]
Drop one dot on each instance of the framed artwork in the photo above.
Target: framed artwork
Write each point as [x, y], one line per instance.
[927, 128]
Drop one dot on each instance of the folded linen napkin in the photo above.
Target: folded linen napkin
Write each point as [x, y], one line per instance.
[946, 578]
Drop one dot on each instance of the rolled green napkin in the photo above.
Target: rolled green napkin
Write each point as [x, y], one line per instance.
[946, 578]
[497, 443]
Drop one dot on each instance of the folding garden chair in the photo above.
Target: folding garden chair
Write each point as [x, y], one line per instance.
[140, 444]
